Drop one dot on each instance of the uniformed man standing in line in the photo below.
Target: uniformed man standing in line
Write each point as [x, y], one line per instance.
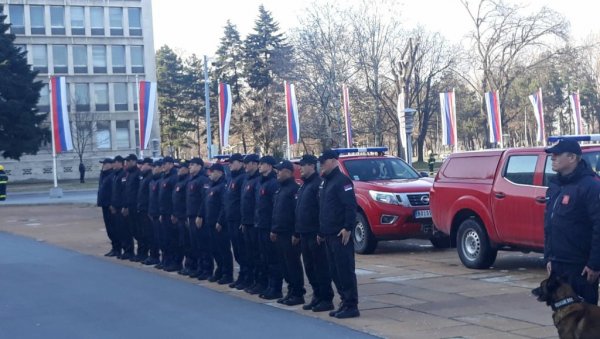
[337, 219]
[104, 189]
[314, 254]
[132, 185]
[165, 200]
[247, 208]
[144, 221]
[233, 217]
[117, 202]
[154, 214]
[179, 219]
[194, 200]
[271, 265]
[215, 222]
[282, 230]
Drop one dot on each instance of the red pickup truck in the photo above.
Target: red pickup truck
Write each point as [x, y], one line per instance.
[494, 200]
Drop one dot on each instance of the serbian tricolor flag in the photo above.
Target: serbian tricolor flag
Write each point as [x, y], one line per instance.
[538, 112]
[293, 123]
[494, 119]
[348, 121]
[147, 98]
[448, 111]
[224, 113]
[576, 108]
[61, 130]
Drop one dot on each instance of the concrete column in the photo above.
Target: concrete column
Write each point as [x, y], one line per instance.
[113, 135]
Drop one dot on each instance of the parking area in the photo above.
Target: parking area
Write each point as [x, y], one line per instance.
[407, 288]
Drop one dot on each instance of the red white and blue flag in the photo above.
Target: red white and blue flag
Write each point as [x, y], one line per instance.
[538, 112]
[448, 111]
[494, 119]
[224, 113]
[61, 129]
[576, 108]
[347, 120]
[293, 122]
[146, 104]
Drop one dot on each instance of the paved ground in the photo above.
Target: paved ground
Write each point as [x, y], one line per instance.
[407, 289]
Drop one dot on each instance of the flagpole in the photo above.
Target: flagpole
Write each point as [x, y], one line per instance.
[525, 143]
[141, 137]
[287, 118]
[455, 127]
[52, 89]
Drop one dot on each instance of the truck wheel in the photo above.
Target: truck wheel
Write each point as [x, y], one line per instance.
[440, 241]
[473, 245]
[364, 240]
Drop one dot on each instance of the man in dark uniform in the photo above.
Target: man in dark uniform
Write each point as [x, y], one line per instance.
[194, 200]
[314, 254]
[214, 221]
[3, 182]
[154, 214]
[117, 202]
[144, 221]
[247, 209]
[337, 215]
[232, 200]
[282, 230]
[178, 219]
[165, 200]
[104, 189]
[81, 172]
[129, 211]
[271, 264]
[572, 221]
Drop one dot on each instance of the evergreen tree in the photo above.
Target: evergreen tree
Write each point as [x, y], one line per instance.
[21, 130]
[176, 122]
[193, 70]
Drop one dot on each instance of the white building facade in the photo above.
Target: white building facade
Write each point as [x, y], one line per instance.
[102, 48]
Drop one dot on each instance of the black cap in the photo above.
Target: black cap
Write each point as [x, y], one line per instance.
[119, 158]
[328, 154]
[146, 161]
[217, 167]
[184, 163]
[107, 161]
[157, 163]
[308, 159]
[267, 159]
[251, 158]
[168, 159]
[236, 157]
[197, 161]
[565, 145]
[286, 164]
[140, 161]
[131, 157]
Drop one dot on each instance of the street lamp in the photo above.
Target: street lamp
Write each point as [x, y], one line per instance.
[408, 125]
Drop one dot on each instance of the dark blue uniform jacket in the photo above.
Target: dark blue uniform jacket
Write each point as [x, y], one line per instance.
[337, 203]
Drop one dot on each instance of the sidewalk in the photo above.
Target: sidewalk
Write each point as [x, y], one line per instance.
[407, 289]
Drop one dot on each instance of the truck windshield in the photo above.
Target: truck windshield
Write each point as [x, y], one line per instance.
[379, 169]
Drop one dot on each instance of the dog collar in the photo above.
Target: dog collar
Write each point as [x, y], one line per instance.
[565, 302]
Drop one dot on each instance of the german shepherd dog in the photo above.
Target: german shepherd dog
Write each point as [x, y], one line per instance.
[573, 318]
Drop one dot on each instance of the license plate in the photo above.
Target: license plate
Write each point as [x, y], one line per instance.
[421, 214]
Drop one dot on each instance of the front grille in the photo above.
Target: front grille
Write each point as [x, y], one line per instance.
[418, 199]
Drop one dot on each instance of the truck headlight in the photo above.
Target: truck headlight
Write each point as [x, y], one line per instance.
[385, 197]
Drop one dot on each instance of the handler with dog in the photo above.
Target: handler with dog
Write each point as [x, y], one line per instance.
[572, 221]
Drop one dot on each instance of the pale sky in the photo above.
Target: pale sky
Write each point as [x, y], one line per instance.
[196, 26]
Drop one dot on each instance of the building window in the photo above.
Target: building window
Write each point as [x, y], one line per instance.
[121, 100]
[101, 97]
[36, 15]
[80, 60]
[97, 18]
[99, 57]
[77, 20]
[137, 59]
[122, 139]
[40, 58]
[44, 102]
[82, 97]
[116, 20]
[17, 19]
[133, 91]
[135, 21]
[59, 57]
[57, 20]
[118, 58]
[103, 134]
